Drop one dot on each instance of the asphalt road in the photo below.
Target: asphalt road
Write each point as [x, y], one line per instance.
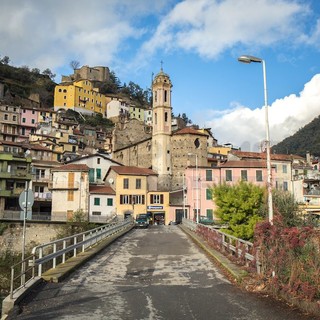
[151, 274]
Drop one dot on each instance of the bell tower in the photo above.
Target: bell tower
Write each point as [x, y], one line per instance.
[161, 129]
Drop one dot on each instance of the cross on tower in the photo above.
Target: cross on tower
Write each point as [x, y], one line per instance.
[161, 65]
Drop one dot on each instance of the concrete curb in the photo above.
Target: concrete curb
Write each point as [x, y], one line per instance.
[233, 270]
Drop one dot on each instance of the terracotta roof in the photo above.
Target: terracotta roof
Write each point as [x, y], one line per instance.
[72, 167]
[263, 155]
[94, 155]
[190, 131]
[128, 170]
[244, 164]
[101, 190]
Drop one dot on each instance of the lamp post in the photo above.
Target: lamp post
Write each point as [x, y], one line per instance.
[249, 59]
[197, 187]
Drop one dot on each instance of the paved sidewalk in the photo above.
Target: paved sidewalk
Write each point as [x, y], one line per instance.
[235, 271]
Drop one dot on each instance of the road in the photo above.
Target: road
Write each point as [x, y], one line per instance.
[152, 274]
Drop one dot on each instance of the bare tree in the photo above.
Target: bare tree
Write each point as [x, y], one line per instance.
[74, 64]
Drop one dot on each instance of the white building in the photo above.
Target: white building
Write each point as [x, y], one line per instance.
[102, 201]
[70, 191]
[98, 165]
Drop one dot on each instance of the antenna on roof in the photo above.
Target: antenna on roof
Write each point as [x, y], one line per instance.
[161, 62]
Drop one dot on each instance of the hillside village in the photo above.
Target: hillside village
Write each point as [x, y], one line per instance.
[141, 160]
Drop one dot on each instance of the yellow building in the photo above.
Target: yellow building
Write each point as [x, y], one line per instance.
[80, 96]
[131, 185]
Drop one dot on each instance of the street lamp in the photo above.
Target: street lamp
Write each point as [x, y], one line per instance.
[249, 59]
[197, 187]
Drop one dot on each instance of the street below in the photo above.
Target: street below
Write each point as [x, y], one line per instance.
[154, 274]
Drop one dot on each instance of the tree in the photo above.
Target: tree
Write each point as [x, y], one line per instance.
[239, 206]
[48, 72]
[5, 60]
[74, 64]
[186, 119]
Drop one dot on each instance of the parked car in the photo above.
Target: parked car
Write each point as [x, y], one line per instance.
[142, 221]
[206, 220]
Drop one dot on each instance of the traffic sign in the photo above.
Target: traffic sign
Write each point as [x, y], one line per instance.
[26, 196]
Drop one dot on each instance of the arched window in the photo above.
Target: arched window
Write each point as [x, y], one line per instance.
[197, 143]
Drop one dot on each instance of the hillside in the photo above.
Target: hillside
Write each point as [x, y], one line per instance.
[20, 83]
[305, 139]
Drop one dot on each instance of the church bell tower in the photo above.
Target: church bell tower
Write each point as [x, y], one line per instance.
[161, 129]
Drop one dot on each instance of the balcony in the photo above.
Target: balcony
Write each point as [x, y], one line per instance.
[63, 186]
[15, 174]
[39, 178]
[43, 196]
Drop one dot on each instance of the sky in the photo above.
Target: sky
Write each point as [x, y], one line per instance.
[198, 42]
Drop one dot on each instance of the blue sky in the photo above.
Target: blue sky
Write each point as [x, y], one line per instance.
[198, 41]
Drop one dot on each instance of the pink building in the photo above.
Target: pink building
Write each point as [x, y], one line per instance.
[28, 122]
[199, 182]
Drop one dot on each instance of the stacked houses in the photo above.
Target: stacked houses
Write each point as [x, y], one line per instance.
[146, 163]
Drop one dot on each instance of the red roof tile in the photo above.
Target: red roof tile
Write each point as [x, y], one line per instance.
[263, 155]
[244, 164]
[128, 170]
[190, 131]
[101, 190]
[72, 167]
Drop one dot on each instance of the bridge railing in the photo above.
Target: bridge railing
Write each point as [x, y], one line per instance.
[241, 250]
[49, 255]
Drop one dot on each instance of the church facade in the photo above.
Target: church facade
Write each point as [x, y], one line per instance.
[166, 152]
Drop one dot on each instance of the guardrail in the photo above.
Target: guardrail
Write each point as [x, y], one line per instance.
[242, 250]
[51, 254]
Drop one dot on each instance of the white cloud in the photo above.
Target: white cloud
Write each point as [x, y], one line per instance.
[210, 27]
[245, 128]
[36, 33]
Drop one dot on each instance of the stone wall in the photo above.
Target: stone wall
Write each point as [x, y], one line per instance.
[36, 233]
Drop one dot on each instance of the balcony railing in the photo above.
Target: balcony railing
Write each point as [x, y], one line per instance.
[42, 195]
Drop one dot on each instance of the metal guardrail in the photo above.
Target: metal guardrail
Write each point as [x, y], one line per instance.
[51, 254]
[225, 242]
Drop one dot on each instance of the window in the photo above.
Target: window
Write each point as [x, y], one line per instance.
[14, 118]
[156, 198]
[6, 117]
[40, 173]
[208, 194]
[91, 175]
[39, 189]
[258, 175]
[228, 175]
[197, 143]
[70, 195]
[138, 199]
[109, 202]
[284, 168]
[96, 201]
[210, 213]
[166, 117]
[96, 213]
[124, 199]
[208, 175]
[98, 173]
[138, 183]
[165, 95]
[155, 96]
[244, 175]
[98, 160]
[23, 120]
[285, 185]
[33, 121]
[125, 183]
